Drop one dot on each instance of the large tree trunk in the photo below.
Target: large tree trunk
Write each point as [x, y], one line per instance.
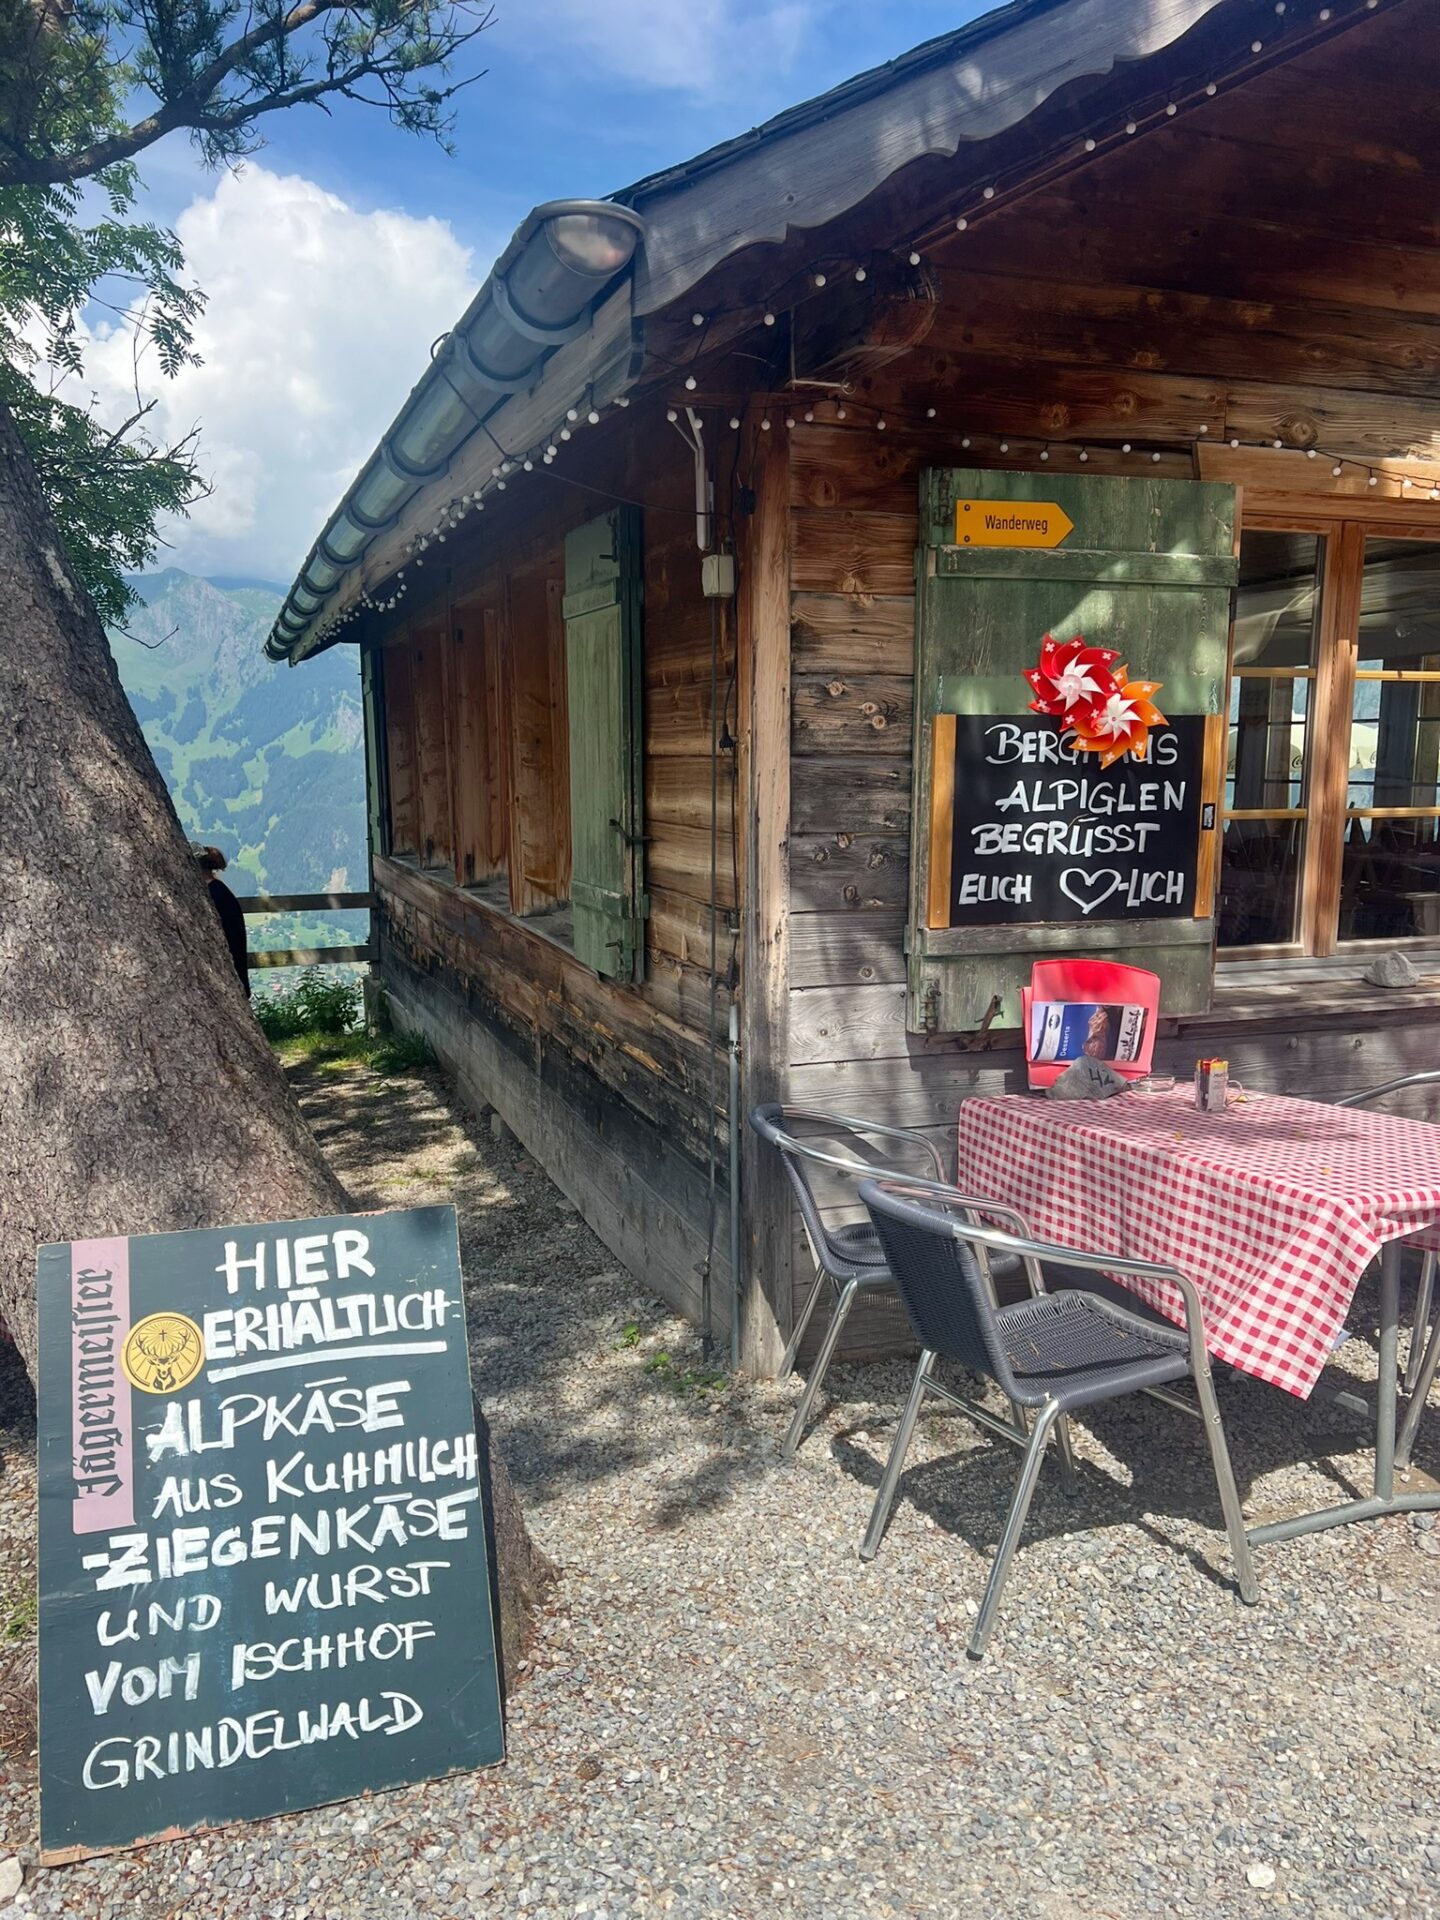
[137, 1094]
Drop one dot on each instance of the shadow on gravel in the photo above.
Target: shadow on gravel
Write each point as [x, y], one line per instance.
[522, 1244]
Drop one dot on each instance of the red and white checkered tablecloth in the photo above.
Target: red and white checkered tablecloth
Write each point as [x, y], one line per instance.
[1274, 1208]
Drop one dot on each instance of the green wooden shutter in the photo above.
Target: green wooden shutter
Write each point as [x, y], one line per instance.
[603, 586]
[376, 763]
[1149, 568]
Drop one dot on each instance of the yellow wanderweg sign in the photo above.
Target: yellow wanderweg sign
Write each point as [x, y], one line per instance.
[1010, 523]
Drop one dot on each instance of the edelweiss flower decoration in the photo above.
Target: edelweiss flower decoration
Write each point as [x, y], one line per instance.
[1096, 702]
[1069, 673]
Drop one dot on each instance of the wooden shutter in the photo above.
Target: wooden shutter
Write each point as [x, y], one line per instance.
[372, 695]
[603, 673]
[1149, 567]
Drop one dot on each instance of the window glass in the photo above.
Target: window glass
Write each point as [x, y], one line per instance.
[1390, 876]
[1267, 764]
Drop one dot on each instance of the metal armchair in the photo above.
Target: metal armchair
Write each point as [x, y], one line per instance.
[849, 1259]
[1052, 1353]
[1418, 1355]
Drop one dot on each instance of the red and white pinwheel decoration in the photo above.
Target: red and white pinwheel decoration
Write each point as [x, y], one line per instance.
[1069, 675]
[1096, 702]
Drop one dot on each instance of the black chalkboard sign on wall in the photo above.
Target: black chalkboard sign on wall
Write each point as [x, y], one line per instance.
[264, 1581]
[1041, 834]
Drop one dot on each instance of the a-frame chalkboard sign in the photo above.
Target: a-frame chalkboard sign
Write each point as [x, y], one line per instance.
[264, 1580]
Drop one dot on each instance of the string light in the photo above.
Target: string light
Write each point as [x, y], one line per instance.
[451, 516]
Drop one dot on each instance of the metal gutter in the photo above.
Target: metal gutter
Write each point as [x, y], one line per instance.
[798, 171]
[539, 295]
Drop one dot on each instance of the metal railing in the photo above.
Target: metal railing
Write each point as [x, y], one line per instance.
[307, 903]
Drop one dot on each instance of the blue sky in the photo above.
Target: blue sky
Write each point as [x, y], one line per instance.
[336, 255]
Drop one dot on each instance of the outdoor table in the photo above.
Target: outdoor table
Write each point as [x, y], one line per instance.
[1274, 1208]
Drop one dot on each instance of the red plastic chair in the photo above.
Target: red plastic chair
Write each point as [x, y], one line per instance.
[1108, 984]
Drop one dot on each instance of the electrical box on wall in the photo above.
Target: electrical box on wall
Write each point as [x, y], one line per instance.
[717, 576]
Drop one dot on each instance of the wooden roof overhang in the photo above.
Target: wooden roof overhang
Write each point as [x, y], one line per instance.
[1062, 109]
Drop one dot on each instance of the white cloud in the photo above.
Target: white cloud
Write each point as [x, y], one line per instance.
[320, 319]
[708, 48]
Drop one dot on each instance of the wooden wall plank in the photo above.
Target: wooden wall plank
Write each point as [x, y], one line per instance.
[851, 633]
[765, 670]
[1226, 251]
[852, 713]
[856, 553]
[429, 682]
[1163, 331]
[400, 749]
[869, 794]
[861, 872]
[987, 394]
[844, 948]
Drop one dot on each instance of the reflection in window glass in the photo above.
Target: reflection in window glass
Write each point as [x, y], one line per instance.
[1390, 877]
[1268, 750]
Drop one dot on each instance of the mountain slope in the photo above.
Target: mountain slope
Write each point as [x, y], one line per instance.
[264, 761]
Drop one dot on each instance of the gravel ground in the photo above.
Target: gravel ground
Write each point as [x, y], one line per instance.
[725, 1714]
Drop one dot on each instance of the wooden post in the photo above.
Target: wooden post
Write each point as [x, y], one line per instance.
[764, 771]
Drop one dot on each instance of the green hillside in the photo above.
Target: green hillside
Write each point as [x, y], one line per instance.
[266, 762]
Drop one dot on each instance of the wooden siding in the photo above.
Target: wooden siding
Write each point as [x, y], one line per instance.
[609, 1084]
[1183, 284]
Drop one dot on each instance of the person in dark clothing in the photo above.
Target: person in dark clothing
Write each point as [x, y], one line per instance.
[232, 920]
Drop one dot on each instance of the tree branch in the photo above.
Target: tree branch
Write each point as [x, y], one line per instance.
[195, 108]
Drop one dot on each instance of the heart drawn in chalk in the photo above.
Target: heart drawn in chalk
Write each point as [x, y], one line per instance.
[1089, 887]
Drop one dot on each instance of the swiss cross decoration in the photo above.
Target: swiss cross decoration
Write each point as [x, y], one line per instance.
[1096, 702]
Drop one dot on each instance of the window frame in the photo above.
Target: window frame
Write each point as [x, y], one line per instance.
[1344, 527]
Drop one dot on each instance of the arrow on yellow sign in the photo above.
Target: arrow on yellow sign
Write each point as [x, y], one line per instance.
[1011, 523]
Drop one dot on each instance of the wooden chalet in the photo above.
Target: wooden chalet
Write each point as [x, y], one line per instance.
[680, 653]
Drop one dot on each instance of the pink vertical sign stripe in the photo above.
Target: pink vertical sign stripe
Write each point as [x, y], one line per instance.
[101, 1463]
